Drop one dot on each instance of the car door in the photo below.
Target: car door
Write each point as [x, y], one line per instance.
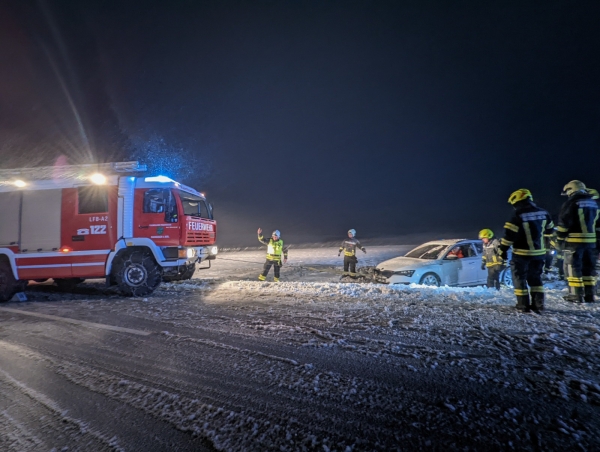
[459, 271]
[481, 274]
[470, 265]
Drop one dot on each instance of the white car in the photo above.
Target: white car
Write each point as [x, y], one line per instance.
[439, 263]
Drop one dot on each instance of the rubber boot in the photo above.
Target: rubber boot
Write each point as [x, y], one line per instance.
[575, 295]
[537, 302]
[523, 304]
[261, 277]
[588, 295]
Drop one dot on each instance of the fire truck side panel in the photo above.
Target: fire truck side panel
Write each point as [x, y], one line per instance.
[150, 218]
[41, 265]
[10, 206]
[40, 221]
[89, 264]
[89, 230]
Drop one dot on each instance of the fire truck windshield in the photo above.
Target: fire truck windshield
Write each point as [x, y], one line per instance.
[195, 206]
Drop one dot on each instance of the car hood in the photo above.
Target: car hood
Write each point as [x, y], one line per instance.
[399, 263]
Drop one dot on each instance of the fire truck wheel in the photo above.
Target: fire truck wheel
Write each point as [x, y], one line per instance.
[67, 284]
[137, 273]
[183, 275]
[8, 283]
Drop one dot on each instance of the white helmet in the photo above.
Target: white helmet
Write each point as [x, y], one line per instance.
[575, 186]
[352, 232]
[276, 233]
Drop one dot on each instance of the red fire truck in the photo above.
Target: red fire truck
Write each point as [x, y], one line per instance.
[75, 222]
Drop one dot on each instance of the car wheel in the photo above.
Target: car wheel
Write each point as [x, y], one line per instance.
[137, 273]
[430, 279]
[506, 277]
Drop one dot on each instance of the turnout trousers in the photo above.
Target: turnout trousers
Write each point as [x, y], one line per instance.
[267, 267]
[527, 279]
[580, 271]
[350, 265]
[493, 278]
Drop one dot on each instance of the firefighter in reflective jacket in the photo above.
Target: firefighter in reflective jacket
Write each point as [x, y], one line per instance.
[275, 250]
[577, 233]
[490, 258]
[349, 246]
[525, 232]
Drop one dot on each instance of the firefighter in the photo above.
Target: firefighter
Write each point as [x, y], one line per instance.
[525, 232]
[577, 235]
[490, 258]
[349, 246]
[275, 250]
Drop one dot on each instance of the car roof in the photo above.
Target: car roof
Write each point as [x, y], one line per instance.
[448, 242]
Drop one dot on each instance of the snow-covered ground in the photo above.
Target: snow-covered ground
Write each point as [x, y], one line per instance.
[225, 362]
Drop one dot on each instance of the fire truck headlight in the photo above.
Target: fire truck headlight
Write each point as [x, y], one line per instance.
[19, 183]
[191, 252]
[214, 250]
[98, 179]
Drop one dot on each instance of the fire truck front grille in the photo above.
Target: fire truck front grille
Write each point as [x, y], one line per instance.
[199, 238]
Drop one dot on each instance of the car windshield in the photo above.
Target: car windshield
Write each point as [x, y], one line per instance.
[194, 206]
[427, 251]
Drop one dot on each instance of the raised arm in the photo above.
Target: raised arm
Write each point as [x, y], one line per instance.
[261, 239]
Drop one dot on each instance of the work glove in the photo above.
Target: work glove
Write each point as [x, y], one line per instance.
[339, 254]
[560, 246]
[364, 251]
[483, 265]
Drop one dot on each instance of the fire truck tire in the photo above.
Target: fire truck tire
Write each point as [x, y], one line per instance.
[8, 284]
[137, 273]
[183, 275]
[67, 284]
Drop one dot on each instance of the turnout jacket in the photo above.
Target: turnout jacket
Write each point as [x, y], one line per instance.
[349, 246]
[274, 249]
[578, 220]
[490, 255]
[526, 230]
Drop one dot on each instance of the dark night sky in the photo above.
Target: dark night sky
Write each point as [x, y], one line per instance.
[315, 117]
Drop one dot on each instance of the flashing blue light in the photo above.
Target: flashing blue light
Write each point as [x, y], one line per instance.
[159, 179]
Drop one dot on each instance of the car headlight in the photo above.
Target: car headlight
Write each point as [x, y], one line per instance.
[408, 273]
[214, 250]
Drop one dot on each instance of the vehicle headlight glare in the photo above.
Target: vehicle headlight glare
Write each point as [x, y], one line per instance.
[408, 273]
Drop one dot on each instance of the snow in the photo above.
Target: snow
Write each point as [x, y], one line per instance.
[313, 363]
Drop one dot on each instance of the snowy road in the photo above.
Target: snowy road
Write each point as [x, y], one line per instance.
[227, 363]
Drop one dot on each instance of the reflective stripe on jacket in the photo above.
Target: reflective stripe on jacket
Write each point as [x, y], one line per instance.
[526, 230]
[578, 219]
[490, 254]
[274, 248]
[349, 246]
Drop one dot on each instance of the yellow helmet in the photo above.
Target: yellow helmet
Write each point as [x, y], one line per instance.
[573, 187]
[520, 195]
[486, 234]
[594, 193]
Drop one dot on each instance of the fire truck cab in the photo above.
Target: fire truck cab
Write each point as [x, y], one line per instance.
[76, 222]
